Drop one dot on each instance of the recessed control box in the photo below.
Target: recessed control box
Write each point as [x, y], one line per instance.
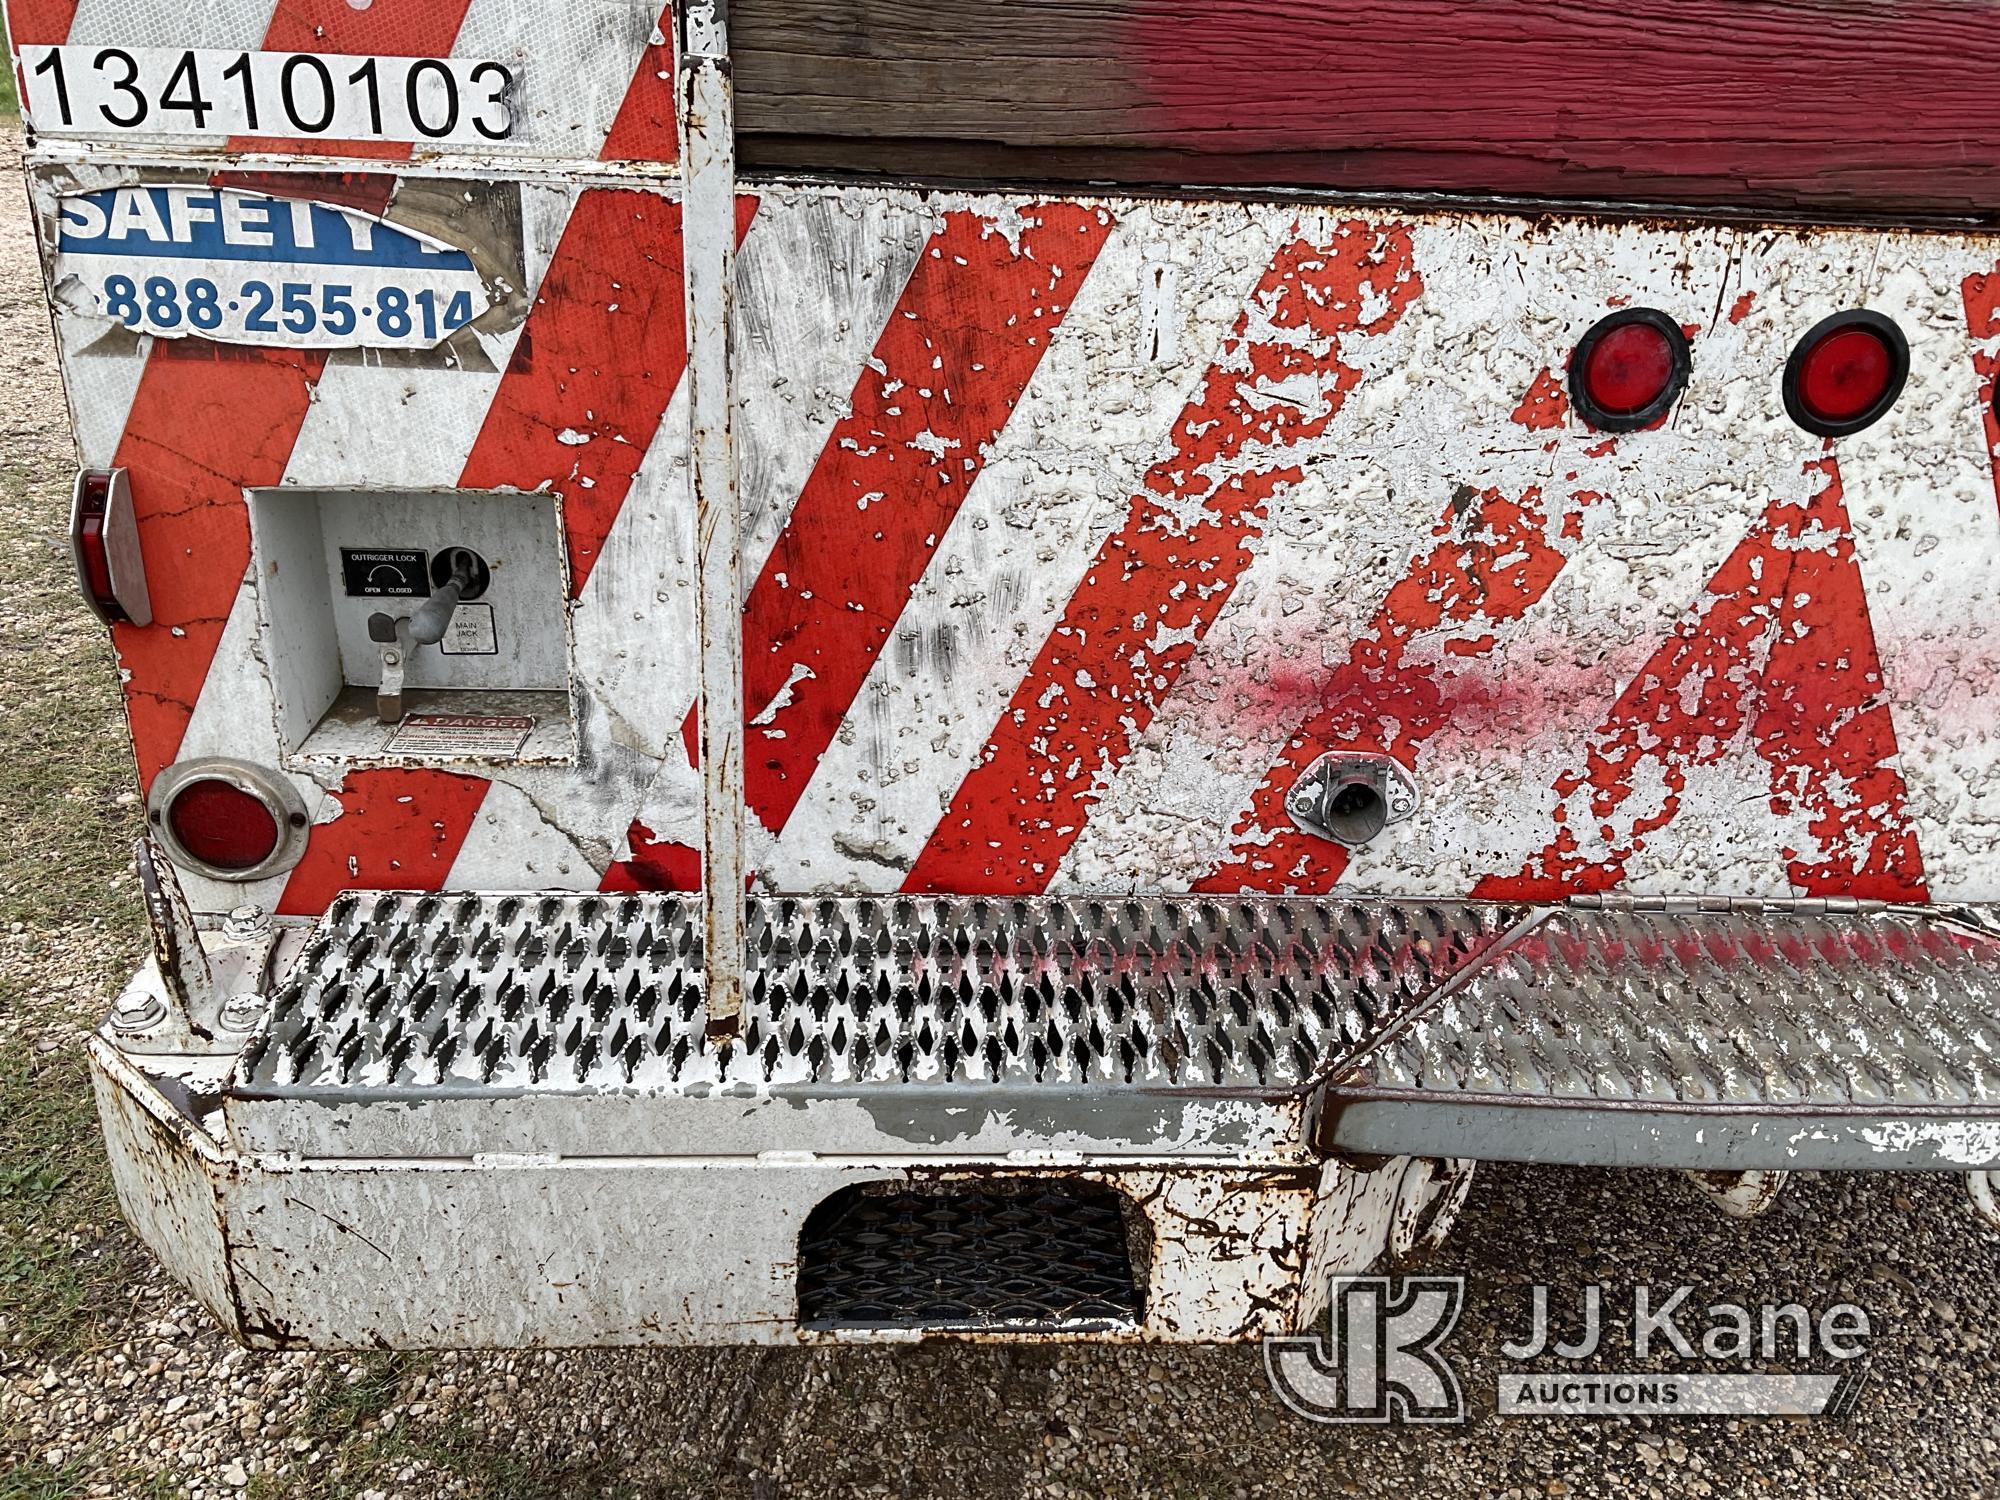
[415, 626]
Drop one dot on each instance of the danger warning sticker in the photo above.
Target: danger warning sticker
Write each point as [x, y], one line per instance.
[484, 735]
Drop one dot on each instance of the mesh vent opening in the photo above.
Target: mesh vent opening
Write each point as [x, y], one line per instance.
[1039, 1256]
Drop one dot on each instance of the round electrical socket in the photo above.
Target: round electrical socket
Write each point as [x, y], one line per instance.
[445, 560]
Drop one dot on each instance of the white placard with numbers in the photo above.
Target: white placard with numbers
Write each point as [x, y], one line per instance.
[183, 91]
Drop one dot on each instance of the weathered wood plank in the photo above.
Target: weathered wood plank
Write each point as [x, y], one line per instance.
[1794, 105]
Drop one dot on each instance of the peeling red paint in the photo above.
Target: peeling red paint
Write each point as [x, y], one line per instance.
[595, 366]
[365, 192]
[398, 830]
[1740, 308]
[207, 422]
[645, 129]
[1492, 559]
[1546, 406]
[1158, 582]
[1982, 304]
[1780, 653]
[966, 336]
[655, 864]
[1982, 320]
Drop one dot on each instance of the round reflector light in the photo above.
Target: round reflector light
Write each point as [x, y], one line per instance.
[1845, 373]
[220, 824]
[1628, 370]
[228, 819]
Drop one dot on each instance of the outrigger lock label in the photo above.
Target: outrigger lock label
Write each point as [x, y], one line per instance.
[385, 572]
[245, 268]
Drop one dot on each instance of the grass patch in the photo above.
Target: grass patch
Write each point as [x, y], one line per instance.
[61, 1255]
[75, 1475]
[66, 781]
[338, 1404]
[344, 1403]
[72, 923]
[477, 1469]
[9, 108]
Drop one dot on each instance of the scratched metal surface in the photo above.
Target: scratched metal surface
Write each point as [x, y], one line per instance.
[428, 996]
[1075, 528]
[1864, 1012]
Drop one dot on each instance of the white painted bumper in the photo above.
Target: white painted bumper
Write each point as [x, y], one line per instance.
[523, 1251]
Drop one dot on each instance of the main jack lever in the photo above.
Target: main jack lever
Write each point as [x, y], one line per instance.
[399, 635]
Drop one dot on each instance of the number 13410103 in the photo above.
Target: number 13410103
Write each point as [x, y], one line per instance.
[438, 101]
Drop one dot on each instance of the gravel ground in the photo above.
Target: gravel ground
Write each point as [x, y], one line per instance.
[113, 1383]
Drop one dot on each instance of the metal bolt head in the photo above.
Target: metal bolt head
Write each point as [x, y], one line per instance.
[242, 1012]
[135, 1010]
[246, 923]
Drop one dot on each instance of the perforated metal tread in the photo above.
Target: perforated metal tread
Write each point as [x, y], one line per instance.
[1798, 1037]
[1049, 1259]
[433, 995]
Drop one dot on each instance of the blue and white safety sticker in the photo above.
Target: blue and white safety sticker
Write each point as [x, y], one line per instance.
[246, 268]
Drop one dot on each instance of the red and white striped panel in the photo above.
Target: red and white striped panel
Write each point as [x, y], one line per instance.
[1076, 528]
[1359, 515]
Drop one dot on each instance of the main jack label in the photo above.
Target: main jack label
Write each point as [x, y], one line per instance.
[244, 268]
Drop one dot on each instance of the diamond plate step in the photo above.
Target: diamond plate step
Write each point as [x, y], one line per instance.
[1057, 1012]
[1749, 1037]
[421, 994]
[1049, 1259]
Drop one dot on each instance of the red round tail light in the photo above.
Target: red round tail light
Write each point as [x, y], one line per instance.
[222, 825]
[1628, 370]
[1845, 373]
[227, 819]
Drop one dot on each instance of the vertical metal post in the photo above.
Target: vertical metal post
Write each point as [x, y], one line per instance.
[708, 238]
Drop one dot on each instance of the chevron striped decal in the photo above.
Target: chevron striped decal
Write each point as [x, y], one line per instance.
[1078, 528]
